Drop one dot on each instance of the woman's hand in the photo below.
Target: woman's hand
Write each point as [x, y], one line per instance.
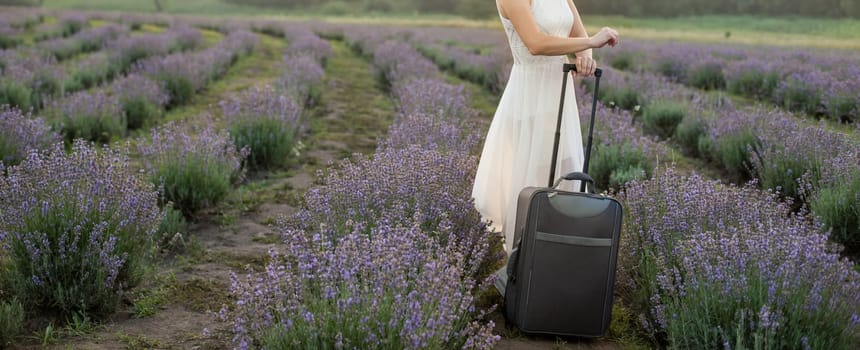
[606, 36]
[585, 66]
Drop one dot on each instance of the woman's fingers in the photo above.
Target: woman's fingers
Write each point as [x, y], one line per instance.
[585, 66]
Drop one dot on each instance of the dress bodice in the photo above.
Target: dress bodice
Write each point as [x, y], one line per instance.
[553, 17]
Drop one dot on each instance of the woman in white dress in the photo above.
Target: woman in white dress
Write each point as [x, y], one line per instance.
[518, 148]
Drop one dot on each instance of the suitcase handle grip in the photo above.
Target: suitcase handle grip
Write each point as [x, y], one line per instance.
[585, 178]
[568, 67]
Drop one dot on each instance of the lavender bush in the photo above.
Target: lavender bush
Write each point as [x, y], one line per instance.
[345, 293]
[304, 42]
[429, 131]
[76, 227]
[194, 165]
[712, 265]
[835, 198]
[14, 93]
[621, 153]
[662, 117]
[432, 96]
[353, 191]
[265, 122]
[128, 50]
[181, 75]
[93, 116]
[822, 83]
[302, 78]
[21, 132]
[9, 36]
[141, 99]
[91, 71]
[399, 61]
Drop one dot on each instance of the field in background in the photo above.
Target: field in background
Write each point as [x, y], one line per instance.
[812, 32]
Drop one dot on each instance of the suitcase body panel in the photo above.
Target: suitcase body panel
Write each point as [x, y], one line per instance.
[561, 273]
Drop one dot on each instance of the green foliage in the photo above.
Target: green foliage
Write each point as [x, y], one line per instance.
[614, 165]
[139, 111]
[838, 207]
[620, 177]
[708, 76]
[796, 95]
[672, 68]
[843, 108]
[476, 8]
[169, 236]
[15, 94]
[181, 90]
[8, 42]
[662, 117]
[782, 171]
[336, 8]
[11, 320]
[46, 87]
[622, 61]
[149, 301]
[89, 76]
[697, 311]
[754, 82]
[193, 184]
[97, 127]
[624, 97]
[688, 133]
[731, 152]
[270, 142]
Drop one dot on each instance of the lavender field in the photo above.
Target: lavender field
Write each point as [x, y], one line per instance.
[193, 183]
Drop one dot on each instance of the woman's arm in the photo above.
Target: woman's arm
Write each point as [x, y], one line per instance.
[585, 64]
[578, 30]
[538, 43]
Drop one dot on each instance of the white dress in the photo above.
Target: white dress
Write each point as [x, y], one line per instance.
[518, 148]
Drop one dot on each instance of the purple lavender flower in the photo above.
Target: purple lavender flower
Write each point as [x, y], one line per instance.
[302, 76]
[20, 133]
[712, 245]
[302, 41]
[194, 165]
[93, 116]
[422, 301]
[77, 226]
[267, 123]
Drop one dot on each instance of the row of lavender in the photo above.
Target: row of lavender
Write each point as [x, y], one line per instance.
[685, 248]
[819, 84]
[710, 265]
[31, 77]
[13, 27]
[153, 84]
[809, 164]
[101, 238]
[334, 285]
[80, 225]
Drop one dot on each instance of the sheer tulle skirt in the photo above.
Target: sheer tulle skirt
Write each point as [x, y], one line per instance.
[518, 148]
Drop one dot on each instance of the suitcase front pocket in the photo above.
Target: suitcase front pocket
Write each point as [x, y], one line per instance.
[567, 290]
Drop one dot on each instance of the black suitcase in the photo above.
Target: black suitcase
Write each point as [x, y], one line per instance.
[561, 271]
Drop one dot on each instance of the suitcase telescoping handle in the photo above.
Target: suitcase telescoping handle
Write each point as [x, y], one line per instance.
[568, 67]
